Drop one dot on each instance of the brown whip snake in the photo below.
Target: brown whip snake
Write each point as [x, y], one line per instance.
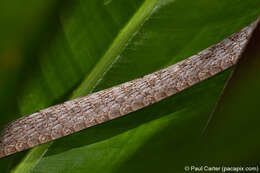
[75, 115]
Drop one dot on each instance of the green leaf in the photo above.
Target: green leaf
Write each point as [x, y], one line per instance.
[98, 44]
[233, 131]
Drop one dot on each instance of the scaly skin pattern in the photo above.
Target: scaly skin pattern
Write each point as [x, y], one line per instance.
[75, 115]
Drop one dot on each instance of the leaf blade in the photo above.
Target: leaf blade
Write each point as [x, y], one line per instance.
[145, 42]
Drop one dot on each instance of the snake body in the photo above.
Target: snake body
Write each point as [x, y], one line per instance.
[64, 119]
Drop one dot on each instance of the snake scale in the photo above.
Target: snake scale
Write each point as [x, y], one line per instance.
[64, 119]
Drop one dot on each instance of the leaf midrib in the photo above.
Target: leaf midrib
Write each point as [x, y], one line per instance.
[126, 33]
[115, 49]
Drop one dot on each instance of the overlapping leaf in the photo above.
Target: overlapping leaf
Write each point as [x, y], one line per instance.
[98, 44]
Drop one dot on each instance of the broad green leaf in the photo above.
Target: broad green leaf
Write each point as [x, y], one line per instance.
[20, 39]
[98, 44]
[233, 131]
[23, 27]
